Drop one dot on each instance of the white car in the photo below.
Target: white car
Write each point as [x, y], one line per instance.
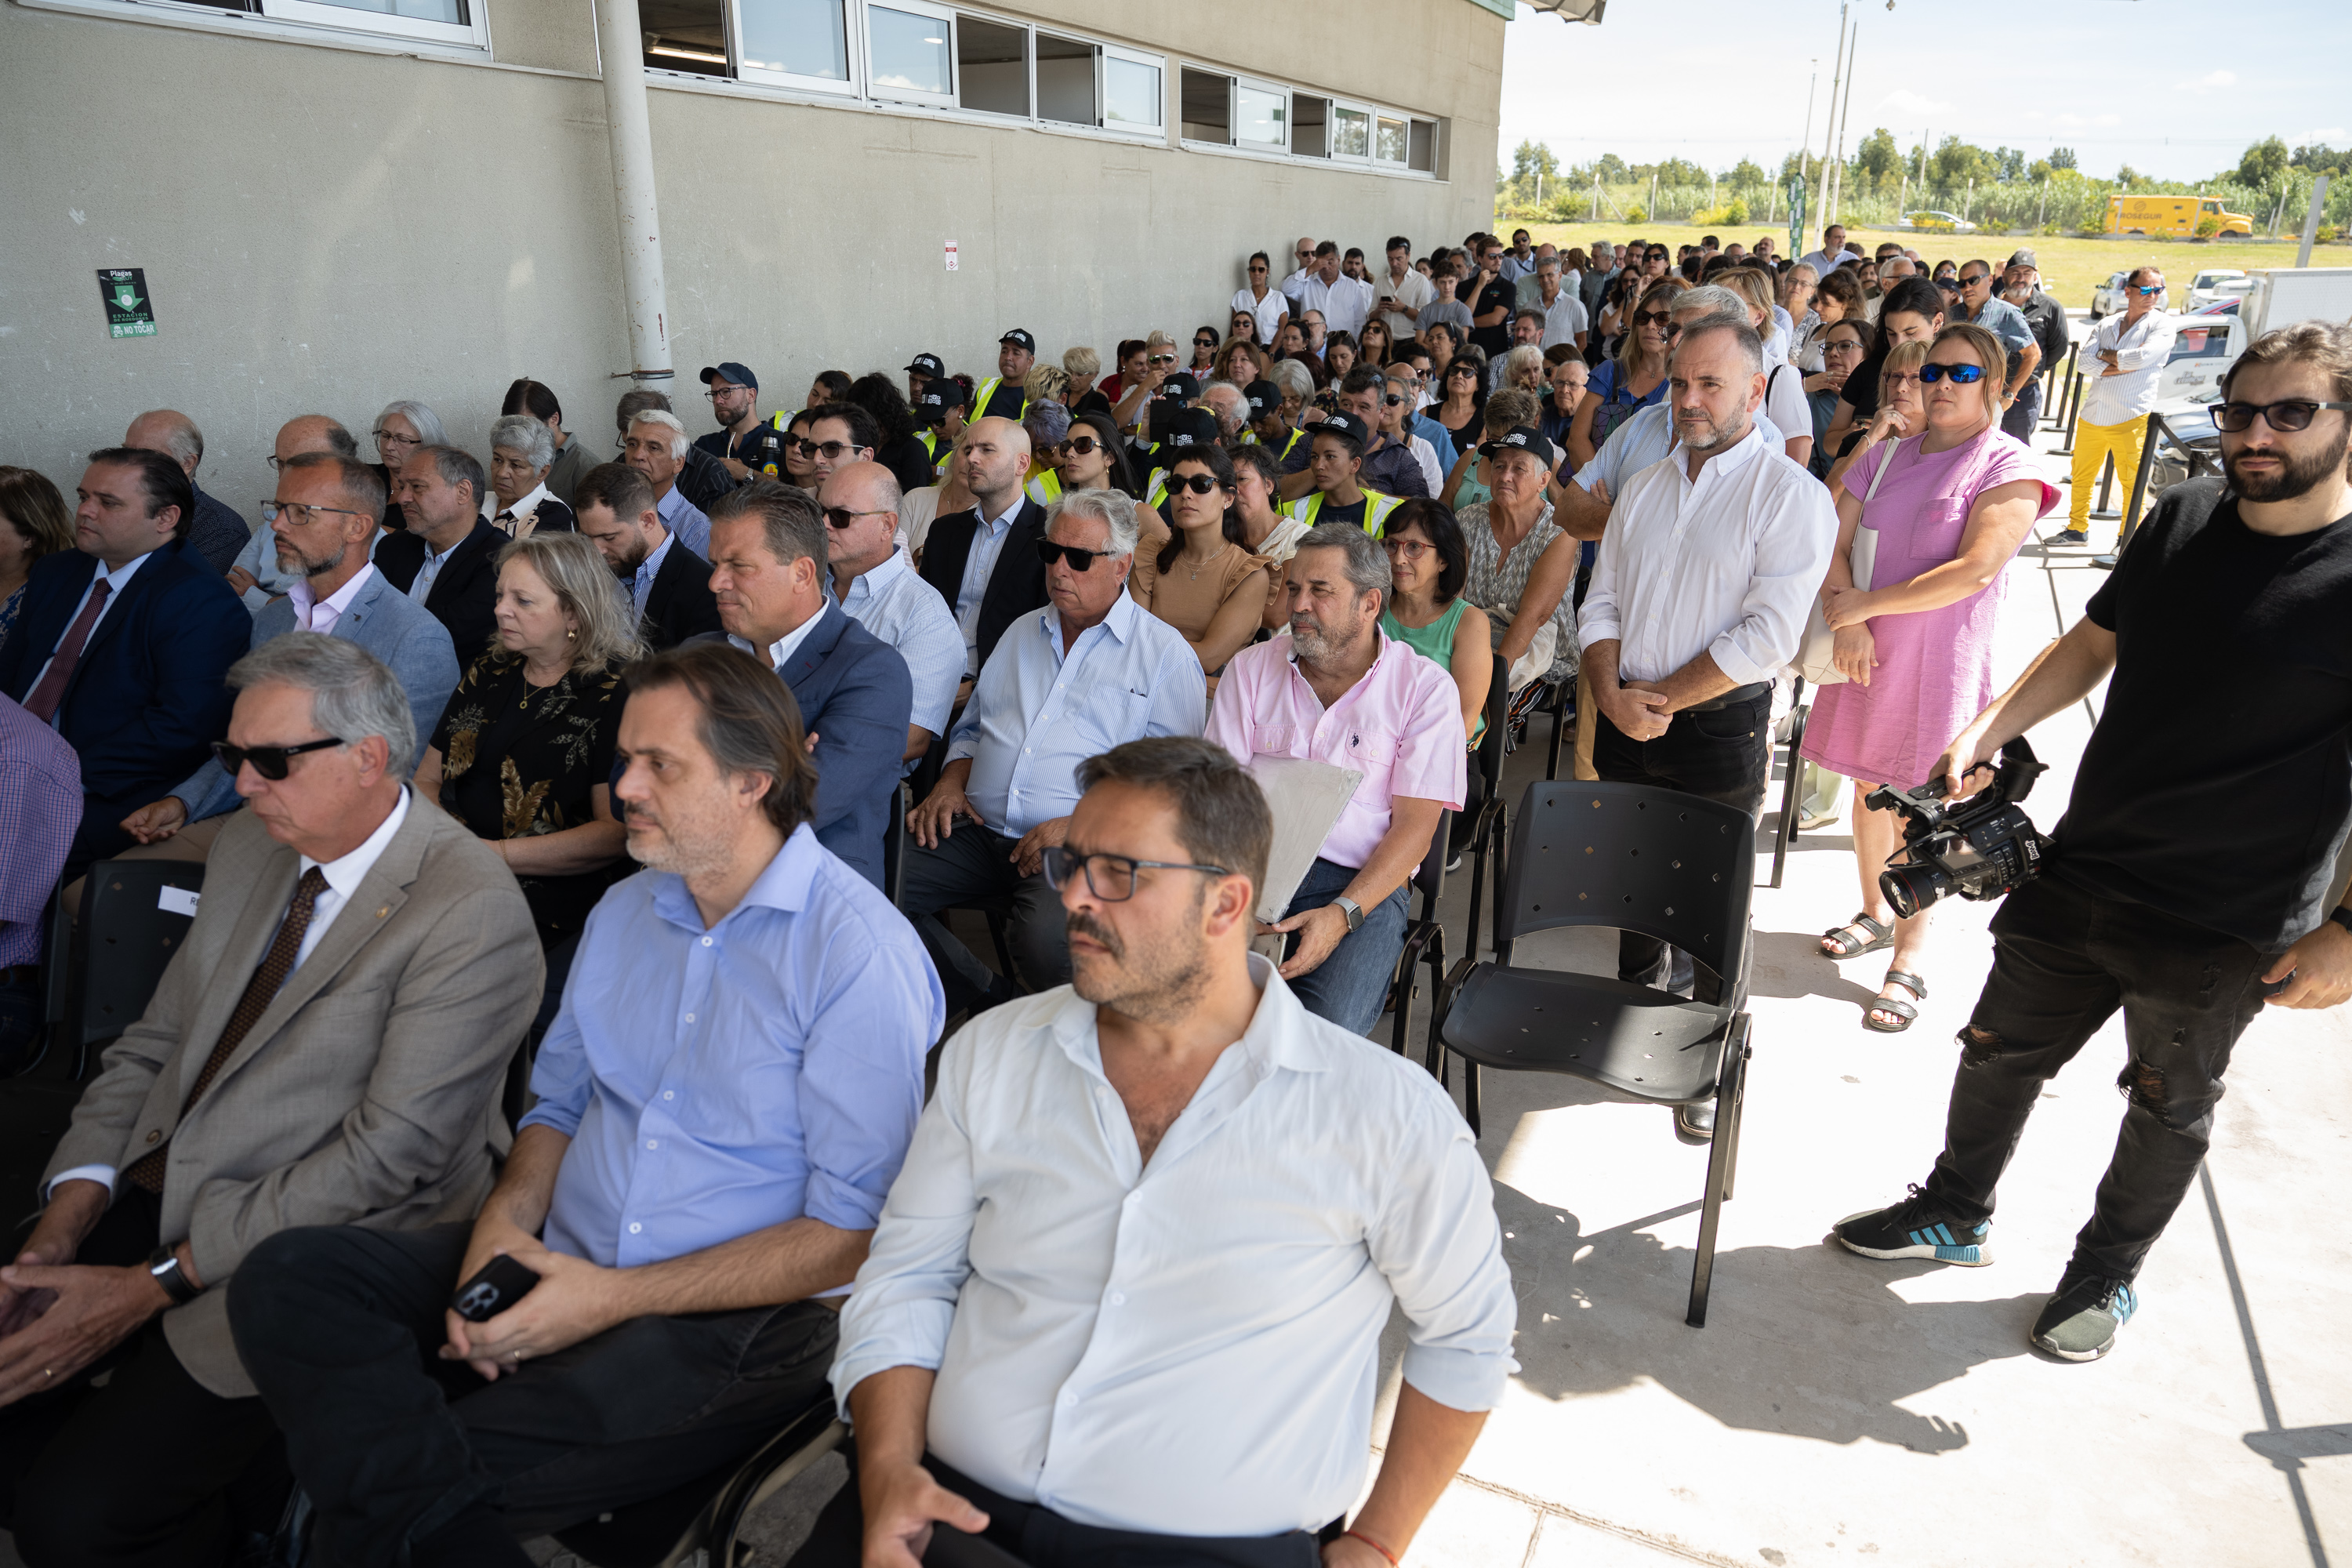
[2216, 283]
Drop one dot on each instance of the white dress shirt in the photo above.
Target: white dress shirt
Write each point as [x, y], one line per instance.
[785, 646]
[2141, 350]
[343, 874]
[894, 602]
[1344, 301]
[1823, 263]
[1727, 565]
[314, 615]
[1190, 1346]
[116, 578]
[1267, 313]
[1413, 292]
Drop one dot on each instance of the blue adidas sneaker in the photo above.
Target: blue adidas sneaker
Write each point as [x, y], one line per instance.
[2079, 1323]
[1916, 1227]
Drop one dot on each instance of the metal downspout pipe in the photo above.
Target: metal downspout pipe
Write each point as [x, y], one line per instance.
[620, 41]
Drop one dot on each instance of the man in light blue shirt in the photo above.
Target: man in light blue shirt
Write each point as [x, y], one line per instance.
[875, 585]
[723, 1103]
[1092, 671]
[656, 445]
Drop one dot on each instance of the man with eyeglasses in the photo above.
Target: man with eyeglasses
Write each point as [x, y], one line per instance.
[323, 521]
[869, 576]
[1492, 299]
[255, 576]
[1173, 1179]
[2189, 886]
[1265, 304]
[1403, 292]
[744, 443]
[1006, 396]
[2121, 359]
[1091, 670]
[841, 435]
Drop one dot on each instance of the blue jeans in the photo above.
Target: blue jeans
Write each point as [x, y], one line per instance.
[2024, 414]
[1348, 987]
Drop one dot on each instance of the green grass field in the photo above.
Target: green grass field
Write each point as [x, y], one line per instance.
[2071, 268]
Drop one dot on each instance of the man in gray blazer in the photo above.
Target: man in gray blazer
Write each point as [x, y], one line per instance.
[328, 512]
[327, 1047]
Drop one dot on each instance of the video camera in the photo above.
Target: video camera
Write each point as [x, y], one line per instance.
[1980, 847]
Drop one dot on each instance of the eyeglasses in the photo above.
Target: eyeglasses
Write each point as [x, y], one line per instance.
[1968, 282]
[2144, 289]
[298, 513]
[1902, 375]
[842, 516]
[1110, 878]
[1935, 371]
[1409, 549]
[1199, 484]
[1079, 447]
[1159, 359]
[828, 450]
[271, 761]
[1080, 560]
[2293, 414]
[386, 439]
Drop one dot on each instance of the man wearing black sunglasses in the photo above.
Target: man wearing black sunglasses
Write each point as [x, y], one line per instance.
[2123, 358]
[2188, 885]
[1981, 305]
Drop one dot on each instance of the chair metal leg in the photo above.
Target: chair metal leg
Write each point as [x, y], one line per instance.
[1559, 717]
[1738, 1104]
[1722, 1155]
[1470, 1096]
[996, 930]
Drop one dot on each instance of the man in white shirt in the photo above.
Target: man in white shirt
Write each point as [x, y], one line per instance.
[1698, 601]
[1564, 318]
[1344, 301]
[1266, 307]
[875, 585]
[2122, 359]
[1402, 293]
[1832, 251]
[1127, 1291]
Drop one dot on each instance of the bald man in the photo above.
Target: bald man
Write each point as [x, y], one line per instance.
[983, 560]
[255, 573]
[216, 534]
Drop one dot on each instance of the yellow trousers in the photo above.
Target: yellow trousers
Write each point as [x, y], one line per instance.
[2092, 444]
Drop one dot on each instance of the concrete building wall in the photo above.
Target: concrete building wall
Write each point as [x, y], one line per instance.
[329, 228]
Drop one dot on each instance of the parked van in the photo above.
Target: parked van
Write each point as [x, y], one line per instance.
[2173, 214]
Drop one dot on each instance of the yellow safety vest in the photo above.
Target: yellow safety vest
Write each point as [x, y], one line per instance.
[987, 390]
[938, 450]
[1044, 487]
[1377, 507]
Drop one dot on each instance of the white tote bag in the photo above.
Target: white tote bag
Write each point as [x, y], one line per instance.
[1816, 662]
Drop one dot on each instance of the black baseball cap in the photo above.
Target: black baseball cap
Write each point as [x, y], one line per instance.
[2022, 258]
[1181, 387]
[1521, 438]
[1018, 336]
[735, 371]
[928, 364]
[938, 395]
[1265, 398]
[1182, 428]
[1339, 421]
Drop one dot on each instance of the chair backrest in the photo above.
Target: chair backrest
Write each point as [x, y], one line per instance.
[132, 921]
[1664, 864]
[1428, 877]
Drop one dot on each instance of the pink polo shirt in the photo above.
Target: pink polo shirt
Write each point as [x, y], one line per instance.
[1399, 726]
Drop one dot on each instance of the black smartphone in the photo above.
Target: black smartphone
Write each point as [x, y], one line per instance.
[500, 1284]
[951, 1548]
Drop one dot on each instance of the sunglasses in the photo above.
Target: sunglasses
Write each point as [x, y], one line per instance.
[1199, 484]
[1972, 282]
[842, 517]
[1110, 878]
[2293, 414]
[1935, 371]
[1657, 319]
[271, 761]
[1204, 342]
[828, 450]
[1080, 560]
[1079, 447]
[1159, 359]
[2144, 289]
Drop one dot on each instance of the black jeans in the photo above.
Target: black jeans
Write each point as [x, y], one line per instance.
[140, 1471]
[1723, 754]
[2064, 961]
[974, 866]
[1044, 1539]
[339, 1327]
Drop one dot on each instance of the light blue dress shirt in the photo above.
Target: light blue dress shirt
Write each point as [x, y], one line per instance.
[987, 545]
[685, 520]
[716, 1083]
[429, 571]
[1039, 712]
[642, 585]
[896, 605]
[1641, 441]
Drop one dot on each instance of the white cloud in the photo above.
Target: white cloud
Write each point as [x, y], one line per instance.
[2212, 81]
[1912, 103]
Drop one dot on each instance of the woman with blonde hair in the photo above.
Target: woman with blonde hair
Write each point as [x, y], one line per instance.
[1948, 504]
[1046, 384]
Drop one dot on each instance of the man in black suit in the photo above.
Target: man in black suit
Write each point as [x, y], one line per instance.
[668, 585]
[122, 646]
[214, 530]
[983, 560]
[446, 557]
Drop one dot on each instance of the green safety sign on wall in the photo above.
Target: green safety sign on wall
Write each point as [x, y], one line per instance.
[129, 313]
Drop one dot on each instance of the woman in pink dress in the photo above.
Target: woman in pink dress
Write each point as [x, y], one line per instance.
[1916, 645]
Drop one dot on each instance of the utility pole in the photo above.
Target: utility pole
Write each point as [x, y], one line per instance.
[2043, 210]
[1805, 148]
[1829, 130]
[1845, 117]
[2311, 220]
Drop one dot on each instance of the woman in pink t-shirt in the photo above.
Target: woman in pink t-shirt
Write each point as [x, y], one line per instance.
[1916, 643]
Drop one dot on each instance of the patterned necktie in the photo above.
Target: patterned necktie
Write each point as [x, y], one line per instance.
[43, 702]
[259, 992]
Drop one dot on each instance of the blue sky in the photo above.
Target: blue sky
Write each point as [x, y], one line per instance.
[2177, 88]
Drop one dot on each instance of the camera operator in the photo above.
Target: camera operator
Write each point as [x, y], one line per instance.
[2189, 882]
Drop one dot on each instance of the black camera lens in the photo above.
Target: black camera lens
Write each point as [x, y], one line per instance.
[1911, 889]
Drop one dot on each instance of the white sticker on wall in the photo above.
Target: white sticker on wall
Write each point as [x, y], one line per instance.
[951, 255]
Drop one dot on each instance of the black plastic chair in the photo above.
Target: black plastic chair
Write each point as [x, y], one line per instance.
[1562, 706]
[1425, 935]
[127, 941]
[707, 1515]
[1791, 788]
[894, 847]
[1667, 866]
[1490, 828]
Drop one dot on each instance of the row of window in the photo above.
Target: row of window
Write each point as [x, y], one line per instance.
[1265, 117]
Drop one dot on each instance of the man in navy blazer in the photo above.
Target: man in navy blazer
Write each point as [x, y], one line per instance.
[983, 560]
[446, 555]
[767, 570]
[667, 585]
[328, 509]
[123, 645]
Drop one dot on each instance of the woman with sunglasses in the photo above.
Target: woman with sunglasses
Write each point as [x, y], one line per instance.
[1204, 351]
[1094, 459]
[1429, 564]
[1465, 484]
[1624, 386]
[1377, 345]
[799, 452]
[1205, 581]
[1461, 405]
[1243, 324]
[1395, 422]
[1949, 506]
[1913, 313]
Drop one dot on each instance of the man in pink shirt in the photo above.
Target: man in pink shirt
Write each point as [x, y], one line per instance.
[1332, 689]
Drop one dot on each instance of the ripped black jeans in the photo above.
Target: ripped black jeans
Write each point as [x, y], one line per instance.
[2064, 961]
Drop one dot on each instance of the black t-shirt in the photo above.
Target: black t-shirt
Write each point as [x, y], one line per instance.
[1860, 389]
[1092, 402]
[1332, 511]
[759, 449]
[1496, 339]
[2217, 783]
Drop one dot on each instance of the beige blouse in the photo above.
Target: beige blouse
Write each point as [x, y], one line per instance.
[1188, 599]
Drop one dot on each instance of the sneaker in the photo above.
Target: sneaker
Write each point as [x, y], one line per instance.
[2080, 1322]
[2069, 536]
[1916, 1227]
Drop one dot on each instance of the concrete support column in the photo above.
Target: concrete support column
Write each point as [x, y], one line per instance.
[621, 42]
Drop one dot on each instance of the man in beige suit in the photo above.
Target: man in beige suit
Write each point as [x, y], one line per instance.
[326, 1048]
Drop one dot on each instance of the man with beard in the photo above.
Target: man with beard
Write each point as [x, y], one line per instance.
[2187, 885]
[668, 585]
[1125, 1301]
[722, 1104]
[1335, 688]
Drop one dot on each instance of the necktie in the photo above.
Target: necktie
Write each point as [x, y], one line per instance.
[43, 702]
[276, 965]
[505, 523]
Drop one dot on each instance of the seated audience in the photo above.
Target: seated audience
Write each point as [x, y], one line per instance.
[668, 585]
[1428, 565]
[874, 584]
[656, 445]
[34, 522]
[519, 504]
[983, 559]
[122, 645]
[896, 447]
[447, 557]
[690, 1241]
[1522, 564]
[573, 459]
[852, 689]
[1205, 581]
[1390, 467]
[1300, 1186]
[215, 533]
[1333, 468]
[701, 477]
[255, 575]
[1334, 688]
[1088, 672]
[404, 426]
[40, 806]
[1390, 414]
[326, 1047]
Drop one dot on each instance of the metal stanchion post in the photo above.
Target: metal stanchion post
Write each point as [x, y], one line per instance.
[2063, 384]
[2155, 430]
[2073, 413]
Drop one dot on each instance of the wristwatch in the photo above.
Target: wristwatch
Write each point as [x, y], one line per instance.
[1352, 910]
[163, 1267]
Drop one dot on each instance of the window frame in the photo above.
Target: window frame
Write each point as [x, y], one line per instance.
[1369, 115]
[472, 34]
[853, 32]
[1105, 52]
[1254, 84]
[1403, 124]
[875, 92]
[1095, 76]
